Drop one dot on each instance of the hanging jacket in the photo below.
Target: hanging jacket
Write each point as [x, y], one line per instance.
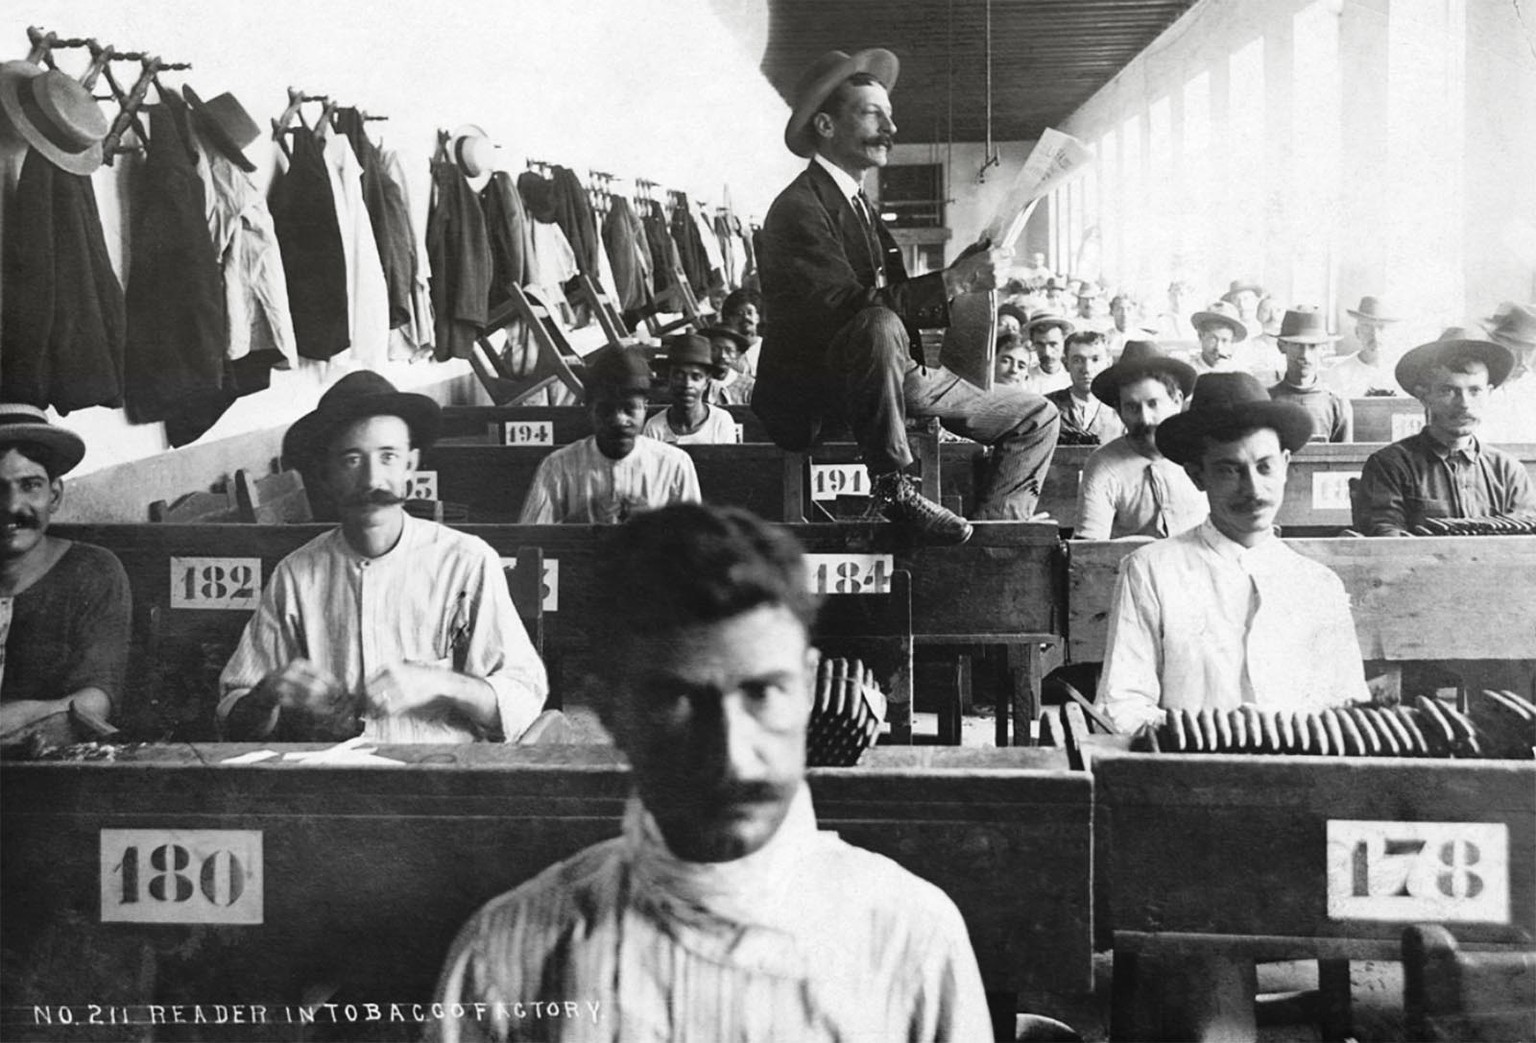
[64, 324]
[690, 248]
[177, 339]
[511, 237]
[304, 212]
[575, 217]
[367, 296]
[460, 256]
[622, 232]
[385, 202]
[415, 336]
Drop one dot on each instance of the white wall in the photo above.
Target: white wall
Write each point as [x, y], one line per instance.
[668, 90]
[973, 196]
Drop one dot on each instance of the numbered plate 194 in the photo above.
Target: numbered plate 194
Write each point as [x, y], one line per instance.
[1434, 872]
[829, 481]
[233, 584]
[850, 573]
[527, 432]
[181, 876]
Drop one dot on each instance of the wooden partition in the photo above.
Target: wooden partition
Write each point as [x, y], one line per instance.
[351, 882]
[551, 425]
[1388, 418]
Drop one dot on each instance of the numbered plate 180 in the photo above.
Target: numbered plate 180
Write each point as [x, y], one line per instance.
[829, 481]
[181, 876]
[850, 573]
[1434, 872]
[232, 584]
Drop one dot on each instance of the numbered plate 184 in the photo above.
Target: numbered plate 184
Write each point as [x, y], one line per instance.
[850, 573]
[181, 876]
[1434, 872]
[233, 584]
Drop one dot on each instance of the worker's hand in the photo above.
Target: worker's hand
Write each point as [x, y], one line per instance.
[312, 700]
[977, 272]
[405, 686]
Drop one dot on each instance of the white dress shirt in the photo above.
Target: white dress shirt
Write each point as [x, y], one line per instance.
[1353, 377]
[718, 428]
[438, 597]
[1125, 493]
[808, 938]
[1200, 621]
[578, 484]
[1043, 383]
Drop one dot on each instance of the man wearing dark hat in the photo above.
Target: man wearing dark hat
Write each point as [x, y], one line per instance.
[1226, 614]
[1128, 488]
[1048, 338]
[722, 912]
[1367, 372]
[734, 387]
[616, 471]
[65, 607]
[1218, 328]
[844, 315]
[691, 369]
[1444, 470]
[1084, 419]
[400, 628]
[1512, 410]
[1302, 338]
[742, 311]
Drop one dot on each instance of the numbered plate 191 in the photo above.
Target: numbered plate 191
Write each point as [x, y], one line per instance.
[829, 481]
[850, 573]
[1330, 490]
[527, 432]
[216, 583]
[1436, 872]
[551, 586]
[181, 876]
[422, 486]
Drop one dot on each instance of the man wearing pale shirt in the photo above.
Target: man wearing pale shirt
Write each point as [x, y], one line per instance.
[721, 912]
[1368, 371]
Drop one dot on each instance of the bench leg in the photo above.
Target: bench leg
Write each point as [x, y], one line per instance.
[1026, 671]
[1209, 997]
[1335, 1018]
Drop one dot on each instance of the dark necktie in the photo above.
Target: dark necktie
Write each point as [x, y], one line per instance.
[866, 212]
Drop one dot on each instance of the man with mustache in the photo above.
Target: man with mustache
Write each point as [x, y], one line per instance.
[1445, 470]
[722, 912]
[65, 606]
[842, 342]
[395, 627]
[1225, 614]
[692, 370]
[1085, 420]
[1302, 338]
[1218, 328]
[616, 471]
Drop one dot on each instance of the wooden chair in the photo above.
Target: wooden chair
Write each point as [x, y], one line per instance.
[196, 509]
[276, 499]
[604, 313]
[675, 288]
[878, 629]
[1449, 994]
[555, 361]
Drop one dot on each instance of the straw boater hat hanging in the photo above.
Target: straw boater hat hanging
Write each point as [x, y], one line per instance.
[1225, 405]
[1413, 367]
[472, 149]
[54, 114]
[226, 125]
[821, 79]
[22, 424]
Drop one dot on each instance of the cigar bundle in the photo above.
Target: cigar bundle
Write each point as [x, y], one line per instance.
[846, 714]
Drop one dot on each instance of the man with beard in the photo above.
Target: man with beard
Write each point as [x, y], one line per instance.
[388, 625]
[1302, 338]
[1128, 487]
[692, 369]
[843, 317]
[721, 912]
[1225, 614]
[64, 605]
[616, 471]
[1445, 470]
[1084, 419]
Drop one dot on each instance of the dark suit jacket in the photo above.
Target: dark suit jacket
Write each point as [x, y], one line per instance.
[818, 272]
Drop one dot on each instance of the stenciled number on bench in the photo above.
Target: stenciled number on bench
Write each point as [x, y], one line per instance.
[829, 481]
[527, 432]
[422, 486]
[551, 585]
[181, 876]
[216, 583]
[1418, 871]
[850, 573]
[1330, 490]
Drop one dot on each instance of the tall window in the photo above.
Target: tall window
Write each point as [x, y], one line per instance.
[1313, 214]
[1198, 212]
[1159, 196]
[1126, 269]
[1106, 251]
[1247, 172]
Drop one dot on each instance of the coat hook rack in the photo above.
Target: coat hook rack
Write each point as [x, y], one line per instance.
[128, 101]
[281, 126]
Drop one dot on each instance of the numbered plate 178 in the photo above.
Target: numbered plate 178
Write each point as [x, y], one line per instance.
[233, 584]
[850, 573]
[1434, 872]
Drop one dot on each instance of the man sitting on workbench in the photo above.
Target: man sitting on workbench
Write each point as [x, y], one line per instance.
[722, 912]
[1444, 470]
[616, 471]
[1225, 613]
[395, 627]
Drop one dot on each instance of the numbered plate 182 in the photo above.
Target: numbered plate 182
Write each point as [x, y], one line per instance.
[181, 876]
[232, 584]
[829, 481]
[850, 573]
[527, 432]
[1434, 872]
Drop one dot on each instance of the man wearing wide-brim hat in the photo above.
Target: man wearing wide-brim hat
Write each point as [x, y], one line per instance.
[1512, 411]
[1445, 470]
[1244, 294]
[1225, 614]
[65, 607]
[730, 347]
[1303, 339]
[1368, 372]
[845, 316]
[390, 626]
[691, 369]
[1218, 328]
[1128, 487]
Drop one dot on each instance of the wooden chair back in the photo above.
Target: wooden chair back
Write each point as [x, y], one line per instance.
[275, 499]
[196, 509]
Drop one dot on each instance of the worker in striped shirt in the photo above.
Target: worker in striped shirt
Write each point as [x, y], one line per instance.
[722, 912]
